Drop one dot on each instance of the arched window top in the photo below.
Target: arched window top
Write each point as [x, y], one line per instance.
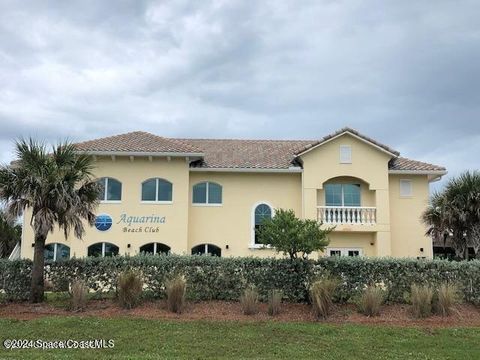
[155, 248]
[207, 249]
[208, 193]
[157, 190]
[102, 249]
[56, 251]
[262, 211]
[110, 189]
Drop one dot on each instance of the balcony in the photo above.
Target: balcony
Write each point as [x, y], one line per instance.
[339, 215]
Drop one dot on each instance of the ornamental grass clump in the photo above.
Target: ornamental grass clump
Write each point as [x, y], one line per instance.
[249, 301]
[78, 296]
[371, 301]
[274, 302]
[321, 294]
[176, 288]
[446, 297]
[130, 287]
[421, 297]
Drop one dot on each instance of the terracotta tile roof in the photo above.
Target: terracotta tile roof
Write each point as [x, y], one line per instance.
[252, 154]
[401, 163]
[137, 141]
[235, 154]
[354, 132]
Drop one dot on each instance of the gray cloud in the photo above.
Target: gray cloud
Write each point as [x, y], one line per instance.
[404, 73]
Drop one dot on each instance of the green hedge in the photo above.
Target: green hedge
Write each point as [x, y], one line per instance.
[225, 278]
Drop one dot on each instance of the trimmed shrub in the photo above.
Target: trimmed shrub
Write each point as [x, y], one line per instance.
[321, 293]
[274, 302]
[249, 301]
[78, 295]
[421, 297]
[446, 297]
[216, 278]
[371, 301]
[130, 287]
[175, 288]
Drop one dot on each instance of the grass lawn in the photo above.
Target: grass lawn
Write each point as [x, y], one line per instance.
[152, 339]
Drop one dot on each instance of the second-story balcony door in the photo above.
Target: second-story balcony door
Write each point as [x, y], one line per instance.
[343, 206]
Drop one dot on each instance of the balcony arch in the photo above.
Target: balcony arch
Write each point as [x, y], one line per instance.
[346, 200]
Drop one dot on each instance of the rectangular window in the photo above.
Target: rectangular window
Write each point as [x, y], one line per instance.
[345, 154]
[342, 194]
[406, 188]
[345, 252]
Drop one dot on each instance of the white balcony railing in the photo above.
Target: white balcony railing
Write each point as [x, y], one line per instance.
[354, 215]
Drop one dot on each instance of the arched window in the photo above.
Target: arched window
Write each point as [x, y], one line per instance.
[207, 249]
[110, 189]
[207, 193]
[261, 212]
[102, 249]
[155, 248]
[157, 190]
[56, 251]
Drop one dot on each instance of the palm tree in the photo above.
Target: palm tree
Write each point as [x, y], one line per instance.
[10, 235]
[453, 215]
[57, 188]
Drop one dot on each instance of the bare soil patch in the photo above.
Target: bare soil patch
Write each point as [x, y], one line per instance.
[465, 315]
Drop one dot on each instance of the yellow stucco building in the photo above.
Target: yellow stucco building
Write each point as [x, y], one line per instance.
[189, 196]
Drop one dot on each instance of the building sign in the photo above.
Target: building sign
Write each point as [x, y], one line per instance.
[103, 222]
[141, 224]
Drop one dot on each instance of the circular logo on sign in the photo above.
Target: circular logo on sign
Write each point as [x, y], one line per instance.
[103, 222]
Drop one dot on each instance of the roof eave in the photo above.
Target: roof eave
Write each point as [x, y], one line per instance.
[141, 153]
[248, 170]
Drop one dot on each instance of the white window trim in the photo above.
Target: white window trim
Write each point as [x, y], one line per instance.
[343, 194]
[206, 194]
[344, 250]
[105, 192]
[342, 148]
[252, 226]
[156, 202]
[400, 188]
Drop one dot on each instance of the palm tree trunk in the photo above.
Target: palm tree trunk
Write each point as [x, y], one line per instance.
[36, 289]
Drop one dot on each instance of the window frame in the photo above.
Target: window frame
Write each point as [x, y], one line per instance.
[254, 245]
[343, 194]
[344, 251]
[206, 253]
[344, 160]
[155, 248]
[156, 201]
[55, 251]
[103, 248]
[104, 200]
[207, 185]
[405, 196]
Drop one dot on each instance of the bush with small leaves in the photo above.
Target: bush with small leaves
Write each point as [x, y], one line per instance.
[421, 297]
[175, 289]
[274, 302]
[446, 297]
[321, 294]
[130, 287]
[249, 301]
[371, 300]
[78, 295]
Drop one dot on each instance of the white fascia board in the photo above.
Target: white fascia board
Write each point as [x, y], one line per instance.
[355, 136]
[247, 170]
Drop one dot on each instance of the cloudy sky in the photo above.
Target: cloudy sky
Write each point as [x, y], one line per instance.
[404, 72]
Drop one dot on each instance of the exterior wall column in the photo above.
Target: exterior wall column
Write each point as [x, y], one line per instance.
[310, 203]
